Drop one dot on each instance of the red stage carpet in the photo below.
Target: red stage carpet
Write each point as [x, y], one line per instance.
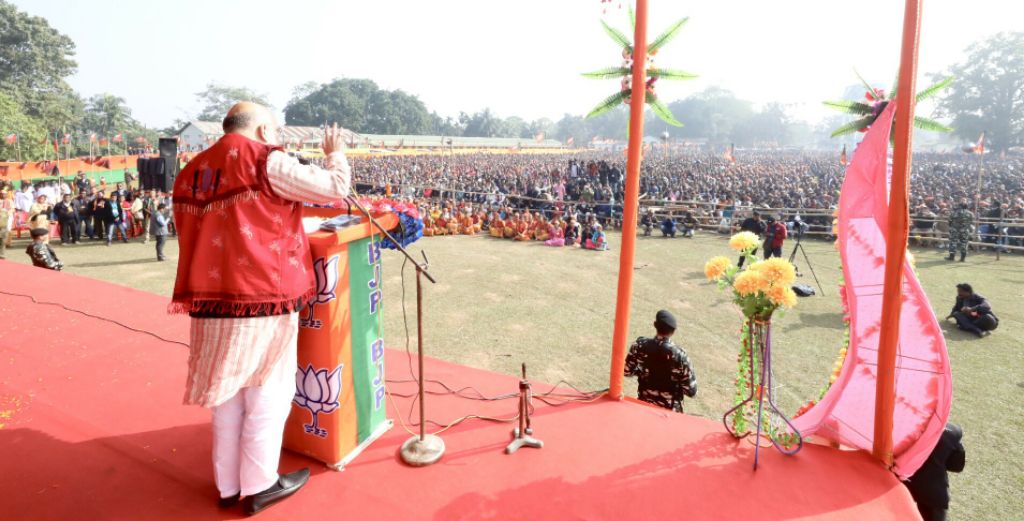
[91, 428]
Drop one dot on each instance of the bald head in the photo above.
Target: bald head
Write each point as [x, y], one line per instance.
[245, 115]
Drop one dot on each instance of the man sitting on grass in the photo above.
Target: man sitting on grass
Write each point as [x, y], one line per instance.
[972, 312]
[663, 369]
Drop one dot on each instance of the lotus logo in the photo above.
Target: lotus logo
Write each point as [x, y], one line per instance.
[317, 392]
[326, 283]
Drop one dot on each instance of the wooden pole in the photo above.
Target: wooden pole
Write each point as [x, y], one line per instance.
[636, 142]
[896, 245]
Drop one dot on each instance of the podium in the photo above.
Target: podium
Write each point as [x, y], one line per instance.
[340, 406]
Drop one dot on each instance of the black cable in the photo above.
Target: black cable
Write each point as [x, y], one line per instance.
[550, 397]
[154, 335]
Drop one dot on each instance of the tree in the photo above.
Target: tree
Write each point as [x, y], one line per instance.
[446, 126]
[988, 94]
[571, 126]
[612, 125]
[396, 112]
[513, 127]
[538, 126]
[217, 99]
[34, 60]
[106, 115]
[769, 126]
[714, 113]
[30, 132]
[361, 106]
[483, 124]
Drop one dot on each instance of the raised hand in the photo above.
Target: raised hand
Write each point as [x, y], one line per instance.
[334, 140]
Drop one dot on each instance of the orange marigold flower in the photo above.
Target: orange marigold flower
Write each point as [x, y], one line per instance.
[716, 267]
[743, 241]
[781, 296]
[777, 271]
[750, 282]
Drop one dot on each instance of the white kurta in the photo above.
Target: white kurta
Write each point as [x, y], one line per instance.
[244, 368]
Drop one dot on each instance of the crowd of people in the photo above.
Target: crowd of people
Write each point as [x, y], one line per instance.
[695, 190]
[564, 228]
[85, 209]
[571, 199]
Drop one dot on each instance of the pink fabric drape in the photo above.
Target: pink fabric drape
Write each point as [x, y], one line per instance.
[924, 388]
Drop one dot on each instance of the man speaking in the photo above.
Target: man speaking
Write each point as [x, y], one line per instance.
[244, 272]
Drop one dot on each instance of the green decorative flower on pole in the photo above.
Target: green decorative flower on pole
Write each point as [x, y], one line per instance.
[876, 103]
[625, 71]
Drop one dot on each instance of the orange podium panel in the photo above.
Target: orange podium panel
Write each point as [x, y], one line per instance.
[339, 404]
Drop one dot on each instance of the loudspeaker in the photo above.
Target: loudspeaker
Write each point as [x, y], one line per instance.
[152, 173]
[169, 154]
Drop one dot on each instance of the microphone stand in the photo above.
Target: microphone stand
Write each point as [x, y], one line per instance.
[425, 449]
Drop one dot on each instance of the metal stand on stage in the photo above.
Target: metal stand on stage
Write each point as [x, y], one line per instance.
[424, 449]
[522, 435]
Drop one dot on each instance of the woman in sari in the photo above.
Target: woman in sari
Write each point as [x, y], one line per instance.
[497, 226]
[511, 225]
[524, 227]
[428, 225]
[540, 229]
[597, 240]
[556, 234]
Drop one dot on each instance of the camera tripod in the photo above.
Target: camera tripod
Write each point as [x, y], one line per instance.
[792, 256]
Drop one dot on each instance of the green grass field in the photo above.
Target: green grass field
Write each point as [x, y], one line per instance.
[500, 303]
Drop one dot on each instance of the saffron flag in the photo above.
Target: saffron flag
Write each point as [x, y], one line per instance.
[104, 142]
[730, 155]
[92, 137]
[845, 414]
[141, 140]
[67, 139]
[979, 147]
[842, 156]
[11, 139]
[119, 138]
[570, 141]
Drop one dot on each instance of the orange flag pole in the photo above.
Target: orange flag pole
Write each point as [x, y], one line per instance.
[896, 244]
[629, 210]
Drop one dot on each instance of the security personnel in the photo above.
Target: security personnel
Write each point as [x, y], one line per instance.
[929, 486]
[647, 221]
[961, 224]
[663, 369]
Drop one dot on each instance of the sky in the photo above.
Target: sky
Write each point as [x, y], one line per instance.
[520, 58]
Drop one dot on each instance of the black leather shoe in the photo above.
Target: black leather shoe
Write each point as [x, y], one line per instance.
[286, 485]
[228, 502]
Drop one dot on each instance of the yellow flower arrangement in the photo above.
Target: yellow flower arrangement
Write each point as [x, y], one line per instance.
[750, 282]
[716, 267]
[781, 296]
[777, 271]
[743, 242]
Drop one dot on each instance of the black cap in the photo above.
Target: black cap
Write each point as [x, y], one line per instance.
[39, 232]
[664, 318]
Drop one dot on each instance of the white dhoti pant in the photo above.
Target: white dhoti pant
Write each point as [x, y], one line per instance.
[248, 429]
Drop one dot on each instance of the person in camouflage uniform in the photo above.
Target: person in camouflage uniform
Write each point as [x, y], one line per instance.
[961, 224]
[662, 368]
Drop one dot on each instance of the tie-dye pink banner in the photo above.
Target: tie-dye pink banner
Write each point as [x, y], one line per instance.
[924, 388]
